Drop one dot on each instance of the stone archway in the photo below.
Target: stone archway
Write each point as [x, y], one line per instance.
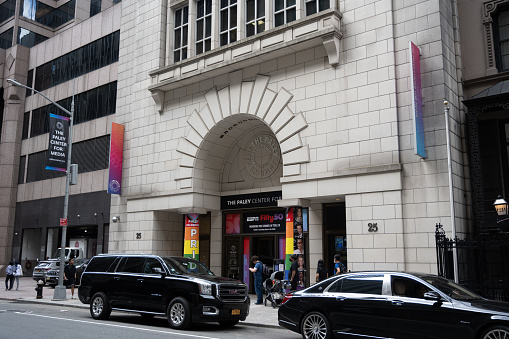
[242, 102]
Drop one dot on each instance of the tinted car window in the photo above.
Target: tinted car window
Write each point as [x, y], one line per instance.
[130, 265]
[180, 265]
[358, 284]
[100, 264]
[410, 288]
[150, 264]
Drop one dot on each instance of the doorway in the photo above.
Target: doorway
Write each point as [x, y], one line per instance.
[335, 235]
[265, 248]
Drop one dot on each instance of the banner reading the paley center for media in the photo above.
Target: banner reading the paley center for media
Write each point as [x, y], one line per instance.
[58, 143]
[116, 156]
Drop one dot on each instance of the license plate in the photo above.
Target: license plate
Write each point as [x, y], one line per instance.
[37, 270]
[235, 312]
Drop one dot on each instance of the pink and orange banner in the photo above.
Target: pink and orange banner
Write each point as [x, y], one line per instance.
[116, 156]
[289, 240]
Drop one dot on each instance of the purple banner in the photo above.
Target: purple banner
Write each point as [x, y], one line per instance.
[418, 124]
[116, 154]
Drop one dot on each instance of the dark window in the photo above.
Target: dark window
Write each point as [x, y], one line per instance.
[116, 1]
[150, 264]
[180, 34]
[26, 125]
[7, 10]
[30, 82]
[130, 265]
[228, 22]
[315, 6]
[358, 284]
[6, 38]
[21, 172]
[284, 12]
[501, 30]
[28, 38]
[90, 155]
[203, 26]
[88, 58]
[404, 287]
[95, 7]
[255, 17]
[100, 264]
[47, 15]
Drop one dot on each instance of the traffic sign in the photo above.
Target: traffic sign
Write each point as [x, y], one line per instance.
[63, 221]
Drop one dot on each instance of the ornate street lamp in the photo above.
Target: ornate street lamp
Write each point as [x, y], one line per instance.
[501, 208]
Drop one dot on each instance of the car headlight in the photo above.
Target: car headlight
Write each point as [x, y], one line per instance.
[205, 289]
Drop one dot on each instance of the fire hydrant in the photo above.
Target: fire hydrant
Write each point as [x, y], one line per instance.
[40, 284]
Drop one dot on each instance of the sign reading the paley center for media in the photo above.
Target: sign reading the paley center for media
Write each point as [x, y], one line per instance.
[58, 143]
[264, 199]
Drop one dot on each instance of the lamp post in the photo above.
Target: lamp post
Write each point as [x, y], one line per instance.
[501, 207]
[60, 292]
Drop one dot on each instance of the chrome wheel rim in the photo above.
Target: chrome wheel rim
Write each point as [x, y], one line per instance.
[315, 327]
[177, 313]
[497, 334]
[97, 306]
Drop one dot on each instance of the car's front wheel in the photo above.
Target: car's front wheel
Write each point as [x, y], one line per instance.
[315, 326]
[179, 313]
[99, 306]
[496, 332]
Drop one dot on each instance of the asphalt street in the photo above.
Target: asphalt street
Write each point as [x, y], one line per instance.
[53, 321]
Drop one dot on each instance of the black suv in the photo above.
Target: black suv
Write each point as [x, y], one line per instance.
[181, 289]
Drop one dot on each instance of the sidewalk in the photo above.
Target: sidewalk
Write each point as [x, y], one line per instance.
[258, 315]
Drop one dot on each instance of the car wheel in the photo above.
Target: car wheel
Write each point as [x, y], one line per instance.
[315, 326]
[496, 332]
[179, 313]
[228, 323]
[99, 306]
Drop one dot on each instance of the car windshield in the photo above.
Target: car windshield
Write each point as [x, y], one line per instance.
[179, 265]
[452, 289]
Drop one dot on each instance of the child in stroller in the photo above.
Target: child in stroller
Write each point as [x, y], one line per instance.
[274, 287]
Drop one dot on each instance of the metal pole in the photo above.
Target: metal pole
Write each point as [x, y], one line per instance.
[60, 292]
[451, 194]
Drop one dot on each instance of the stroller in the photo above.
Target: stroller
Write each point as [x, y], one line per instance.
[274, 287]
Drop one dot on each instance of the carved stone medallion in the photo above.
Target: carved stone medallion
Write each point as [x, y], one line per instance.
[262, 156]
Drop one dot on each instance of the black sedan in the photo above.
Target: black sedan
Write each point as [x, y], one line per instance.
[392, 305]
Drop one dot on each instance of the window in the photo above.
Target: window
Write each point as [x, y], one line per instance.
[47, 15]
[26, 123]
[181, 27]
[7, 10]
[203, 26]
[403, 287]
[95, 7]
[502, 37]
[228, 24]
[359, 284]
[255, 17]
[99, 264]
[150, 264]
[284, 12]
[28, 38]
[6, 38]
[30, 82]
[314, 6]
[130, 265]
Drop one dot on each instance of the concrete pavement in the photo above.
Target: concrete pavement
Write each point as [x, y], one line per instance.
[259, 315]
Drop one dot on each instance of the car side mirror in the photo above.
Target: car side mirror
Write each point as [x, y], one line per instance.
[158, 270]
[432, 295]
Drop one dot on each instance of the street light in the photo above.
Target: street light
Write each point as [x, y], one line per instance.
[501, 207]
[60, 292]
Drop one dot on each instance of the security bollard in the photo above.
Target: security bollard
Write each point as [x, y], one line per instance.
[40, 284]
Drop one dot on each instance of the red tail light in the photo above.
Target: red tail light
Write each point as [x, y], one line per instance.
[286, 298]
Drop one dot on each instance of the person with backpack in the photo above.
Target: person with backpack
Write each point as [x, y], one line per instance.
[70, 276]
[321, 271]
[9, 276]
[339, 268]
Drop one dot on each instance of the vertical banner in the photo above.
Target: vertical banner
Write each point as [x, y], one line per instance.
[116, 155]
[58, 143]
[192, 237]
[247, 262]
[415, 76]
[289, 240]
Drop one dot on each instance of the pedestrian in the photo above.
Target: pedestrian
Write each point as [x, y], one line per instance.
[70, 275]
[9, 276]
[321, 271]
[17, 273]
[338, 265]
[294, 274]
[257, 273]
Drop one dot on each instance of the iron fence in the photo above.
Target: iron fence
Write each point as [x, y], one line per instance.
[483, 262]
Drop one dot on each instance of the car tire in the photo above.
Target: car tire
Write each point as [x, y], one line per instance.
[496, 332]
[315, 326]
[228, 323]
[179, 313]
[100, 306]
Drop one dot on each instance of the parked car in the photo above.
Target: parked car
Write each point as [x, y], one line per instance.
[392, 305]
[53, 274]
[45, 266]
[181, 289]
